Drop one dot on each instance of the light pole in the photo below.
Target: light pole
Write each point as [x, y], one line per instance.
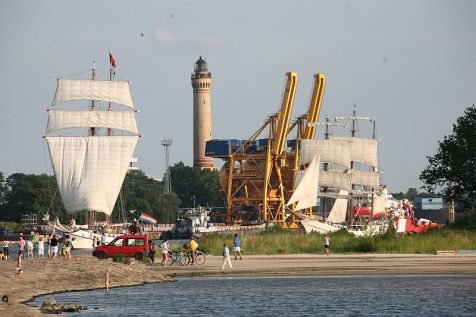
[167, 180]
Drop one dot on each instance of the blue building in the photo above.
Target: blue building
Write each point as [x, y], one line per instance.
[430, 203]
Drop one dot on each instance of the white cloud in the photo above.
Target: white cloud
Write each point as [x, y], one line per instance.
[164, 37]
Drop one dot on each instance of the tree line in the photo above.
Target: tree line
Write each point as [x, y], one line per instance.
[450, 173]
[32, 193]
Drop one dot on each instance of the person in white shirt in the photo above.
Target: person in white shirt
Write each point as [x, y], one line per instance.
[29, 248]
[103, 239]
[41, 248]
[6, 249]
[226, 257]
[164, 246]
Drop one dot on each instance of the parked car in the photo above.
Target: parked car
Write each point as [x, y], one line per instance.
[127, 245]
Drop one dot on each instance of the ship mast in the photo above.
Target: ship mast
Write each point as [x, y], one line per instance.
[91, 214]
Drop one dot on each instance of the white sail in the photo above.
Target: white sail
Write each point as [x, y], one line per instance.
[339, 209]
[366, 178]
[335, 179]
[90, 170]
[64, 119]
[361, 150]
[306, 191]
[102, 90]
[331, 151]
[379, 202]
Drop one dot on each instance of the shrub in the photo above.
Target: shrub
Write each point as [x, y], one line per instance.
[120, 258]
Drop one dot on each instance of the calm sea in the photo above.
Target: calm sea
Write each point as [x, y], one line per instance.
[436, 295]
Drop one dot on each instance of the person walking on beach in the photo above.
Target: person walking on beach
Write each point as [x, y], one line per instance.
[165, 251]
[193, 245]
[106, 281]
[236, 246]
[327, 244]
[54, 247]
[18, 270]
[21, 247]
[151, 252]
[226, 257]
[41, 248]
[6, 248]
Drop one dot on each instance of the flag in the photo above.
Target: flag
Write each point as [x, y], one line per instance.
[112, 61]
[147, 218]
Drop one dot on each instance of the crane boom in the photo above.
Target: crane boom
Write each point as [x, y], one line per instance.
[315, 105]
[285, 113]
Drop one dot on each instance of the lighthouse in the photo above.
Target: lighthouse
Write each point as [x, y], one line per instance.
[202, 113]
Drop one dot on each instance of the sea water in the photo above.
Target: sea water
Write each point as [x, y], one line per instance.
[436, 295]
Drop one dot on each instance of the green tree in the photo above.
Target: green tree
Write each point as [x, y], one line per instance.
[452, 169]
[411, 193]
[194, 185]
[29, 193]
[2, 189]
[143, 193]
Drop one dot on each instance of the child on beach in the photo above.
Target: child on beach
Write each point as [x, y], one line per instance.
[18, 270]
[106, 281]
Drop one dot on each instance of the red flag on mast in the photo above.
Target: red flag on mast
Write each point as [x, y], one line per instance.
[112, 61]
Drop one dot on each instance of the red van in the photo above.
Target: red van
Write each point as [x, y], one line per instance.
[128, 245]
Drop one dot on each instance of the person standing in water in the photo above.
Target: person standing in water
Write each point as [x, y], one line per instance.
[106, 281]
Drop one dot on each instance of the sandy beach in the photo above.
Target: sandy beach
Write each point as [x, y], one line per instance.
[83, 272]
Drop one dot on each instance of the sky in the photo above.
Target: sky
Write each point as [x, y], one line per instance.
[410, 64]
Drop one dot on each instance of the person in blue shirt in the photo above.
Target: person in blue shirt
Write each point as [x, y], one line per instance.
[236, 247]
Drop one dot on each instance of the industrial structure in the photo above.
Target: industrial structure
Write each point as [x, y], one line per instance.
[258, 176]
[202, 121]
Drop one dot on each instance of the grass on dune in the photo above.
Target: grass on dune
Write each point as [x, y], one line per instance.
[281, 241]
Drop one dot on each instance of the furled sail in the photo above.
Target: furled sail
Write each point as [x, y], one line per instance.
[306, 191]
[90, 170]
[109, 91]
[331, 151]
[361, 150]
[366, 178]
[64, 119]
[339, 209]
[335, 179]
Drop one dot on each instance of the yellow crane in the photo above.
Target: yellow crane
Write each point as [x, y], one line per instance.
[258, 175]
[306, 128]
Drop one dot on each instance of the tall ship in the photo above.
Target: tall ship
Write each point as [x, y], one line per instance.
[91, 136]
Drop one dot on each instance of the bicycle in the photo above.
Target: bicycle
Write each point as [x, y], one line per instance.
[200, 257]
[176, 258]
